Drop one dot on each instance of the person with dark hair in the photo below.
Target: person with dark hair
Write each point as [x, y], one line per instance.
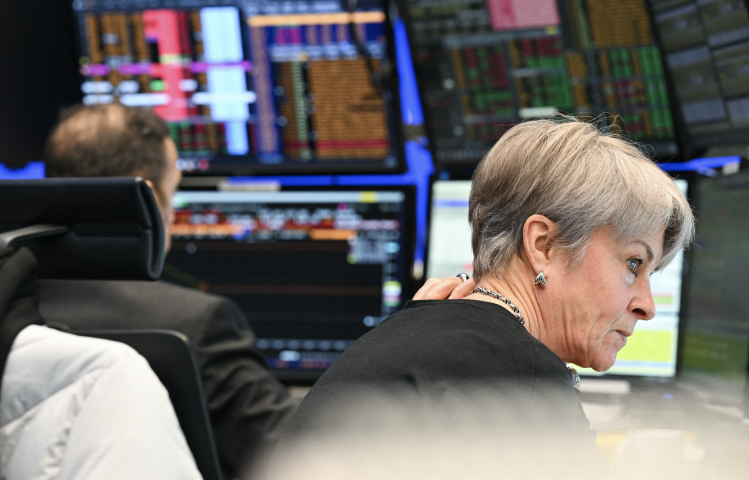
[116, 141]
[248, 406]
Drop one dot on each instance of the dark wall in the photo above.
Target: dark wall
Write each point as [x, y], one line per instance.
[38, 74]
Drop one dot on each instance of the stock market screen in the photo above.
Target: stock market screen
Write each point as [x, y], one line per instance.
[311, 270]
[716, 333]
[485, 65]
[650, 351]
[450, 249]
[706, 48]
[247, 85]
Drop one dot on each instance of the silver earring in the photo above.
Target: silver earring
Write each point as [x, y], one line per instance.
[540, 280]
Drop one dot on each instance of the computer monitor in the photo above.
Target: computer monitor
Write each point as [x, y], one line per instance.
[249, 86]
[449, 248]
[312, 270]
[715, 345]
[706, 50]
[485, 65]
[39, 37]
[652, 349]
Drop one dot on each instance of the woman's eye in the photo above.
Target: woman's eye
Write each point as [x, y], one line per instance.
[633, 264]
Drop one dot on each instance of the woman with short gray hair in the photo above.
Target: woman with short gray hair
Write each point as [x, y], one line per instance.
[568, 224]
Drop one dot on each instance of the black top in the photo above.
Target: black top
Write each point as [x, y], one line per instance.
[247, 405]
[434, 345]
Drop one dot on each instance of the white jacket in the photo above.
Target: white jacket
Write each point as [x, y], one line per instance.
[83, 408]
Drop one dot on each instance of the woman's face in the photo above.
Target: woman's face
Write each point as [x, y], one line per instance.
[593, 308]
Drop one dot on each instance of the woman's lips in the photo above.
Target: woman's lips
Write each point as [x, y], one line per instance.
[623, 334]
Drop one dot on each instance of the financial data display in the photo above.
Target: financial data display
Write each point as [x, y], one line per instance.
[245, 86]
[706, 47]
[311, 270]
[716, 333]
[650, 351]
[450, 250]
[485, 65]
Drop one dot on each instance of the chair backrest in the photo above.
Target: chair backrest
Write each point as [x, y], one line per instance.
[108, 229]
[172, 359]
[85, 228]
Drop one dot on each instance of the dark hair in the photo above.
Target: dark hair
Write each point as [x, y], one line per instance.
[107, 141]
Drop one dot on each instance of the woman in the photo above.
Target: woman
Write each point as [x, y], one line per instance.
[607, 211]
[568, 224]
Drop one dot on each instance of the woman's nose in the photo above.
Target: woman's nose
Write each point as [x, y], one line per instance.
[642, 304]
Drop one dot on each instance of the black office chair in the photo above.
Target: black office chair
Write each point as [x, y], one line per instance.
[173, 360]
[107, 229]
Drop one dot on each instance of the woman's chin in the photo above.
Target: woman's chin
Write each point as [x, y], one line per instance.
[600, 360]
[604, 363]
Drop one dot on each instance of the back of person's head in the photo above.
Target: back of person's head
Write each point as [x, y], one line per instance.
[116, 141]
[108, 141]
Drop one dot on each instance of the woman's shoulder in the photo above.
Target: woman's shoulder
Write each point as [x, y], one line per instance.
[433, 347]
[446, 317]
[446, 338]
[458, 312]
[481, 335]
[443, 317]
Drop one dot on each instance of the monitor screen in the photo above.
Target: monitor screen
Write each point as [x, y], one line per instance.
[485, 65]
[450, 250]
[39, 37]
[650, 351]
[250, 86]
[311, 270]
[706, 49]
[716, 334]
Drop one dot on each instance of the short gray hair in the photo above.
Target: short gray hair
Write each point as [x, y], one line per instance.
[579, 177]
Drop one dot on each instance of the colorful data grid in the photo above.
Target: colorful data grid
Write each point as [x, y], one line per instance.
[189, 66]
[534, 59]
[516, 14]
[247, 82]
[328, 106]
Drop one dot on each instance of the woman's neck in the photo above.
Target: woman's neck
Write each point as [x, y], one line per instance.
[517, 286]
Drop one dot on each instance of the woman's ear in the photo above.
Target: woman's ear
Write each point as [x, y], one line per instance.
[537, 240]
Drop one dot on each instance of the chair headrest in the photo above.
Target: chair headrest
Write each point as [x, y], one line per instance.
[85, 228]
